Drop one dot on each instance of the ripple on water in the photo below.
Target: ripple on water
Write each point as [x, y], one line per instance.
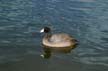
[95, 60]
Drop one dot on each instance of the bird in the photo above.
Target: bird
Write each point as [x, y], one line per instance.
[58, 42]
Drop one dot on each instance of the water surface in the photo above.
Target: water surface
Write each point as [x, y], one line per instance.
[86, 20]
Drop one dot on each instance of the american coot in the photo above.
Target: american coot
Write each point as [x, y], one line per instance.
[60, 42]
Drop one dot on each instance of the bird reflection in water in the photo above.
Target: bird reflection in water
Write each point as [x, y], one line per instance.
[48, 51]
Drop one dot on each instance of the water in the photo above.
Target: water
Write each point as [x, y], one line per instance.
[86, 20]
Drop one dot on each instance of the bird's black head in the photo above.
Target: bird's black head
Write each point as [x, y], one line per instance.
[45, 29]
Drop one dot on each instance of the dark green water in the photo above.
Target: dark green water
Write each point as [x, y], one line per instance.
[86, 20]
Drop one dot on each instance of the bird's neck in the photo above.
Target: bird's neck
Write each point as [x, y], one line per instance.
[48, 35]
